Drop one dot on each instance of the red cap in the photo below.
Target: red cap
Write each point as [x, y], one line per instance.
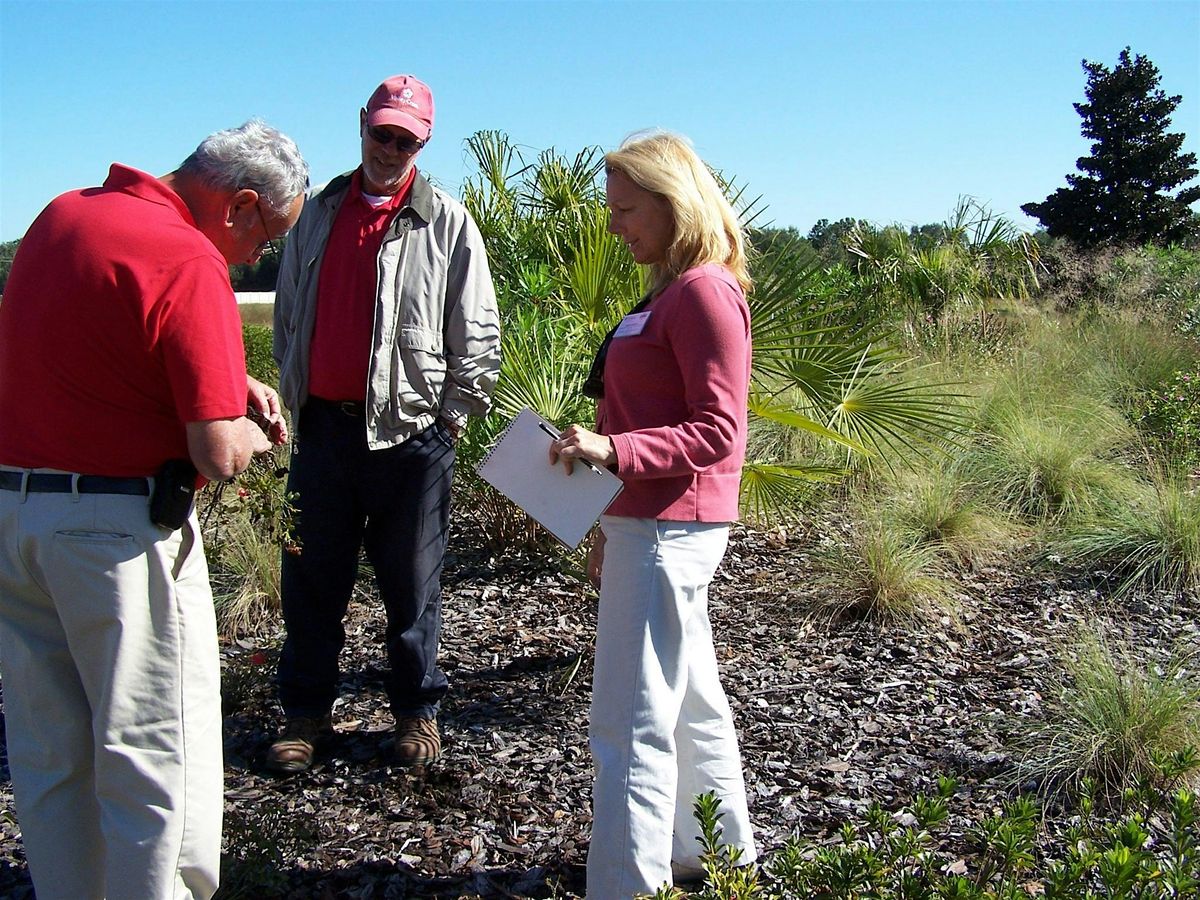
[404, 101]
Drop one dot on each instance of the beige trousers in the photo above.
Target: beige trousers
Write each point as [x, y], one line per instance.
[111, 681]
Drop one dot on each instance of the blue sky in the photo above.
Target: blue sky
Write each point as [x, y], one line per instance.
[887, 111]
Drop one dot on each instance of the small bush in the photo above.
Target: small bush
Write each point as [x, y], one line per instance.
[1171, 417]
[260, 358]
[1149, 850]
[1114, 718]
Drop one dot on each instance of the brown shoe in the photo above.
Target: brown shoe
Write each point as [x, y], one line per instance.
[295, 747]
[417, 741]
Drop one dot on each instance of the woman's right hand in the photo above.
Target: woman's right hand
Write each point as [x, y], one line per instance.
[596, 559]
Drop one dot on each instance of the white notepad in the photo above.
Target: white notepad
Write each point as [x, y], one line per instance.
[518, 466]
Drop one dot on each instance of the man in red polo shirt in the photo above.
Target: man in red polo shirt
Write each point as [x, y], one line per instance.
[121, 350]
[387, 338]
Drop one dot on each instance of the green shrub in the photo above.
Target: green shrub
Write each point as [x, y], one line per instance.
[1171, 416]
[1149, 850]
[261, 844]
[260, 359]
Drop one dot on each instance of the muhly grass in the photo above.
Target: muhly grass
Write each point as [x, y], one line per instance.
[252, 560]
[1115, 715]
[1132, 355]
[936, 508]
[1049, 468]
[1151, 543]
[878, 573]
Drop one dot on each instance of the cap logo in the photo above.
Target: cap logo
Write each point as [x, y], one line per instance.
[404, 97]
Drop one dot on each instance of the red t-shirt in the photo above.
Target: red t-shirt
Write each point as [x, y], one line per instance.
[675, 385]
[117, 327]
[340, 355]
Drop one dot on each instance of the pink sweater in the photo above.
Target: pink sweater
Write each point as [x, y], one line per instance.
[675, 401]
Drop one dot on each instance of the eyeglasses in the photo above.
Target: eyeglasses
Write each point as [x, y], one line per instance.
[403, 144]
[267, 247]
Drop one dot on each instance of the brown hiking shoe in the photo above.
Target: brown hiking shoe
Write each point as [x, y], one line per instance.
[417, 741]
[295, 747]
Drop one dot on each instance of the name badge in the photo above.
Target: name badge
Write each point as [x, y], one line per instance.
[632, 324]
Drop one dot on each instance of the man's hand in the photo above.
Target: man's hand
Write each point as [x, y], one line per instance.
[264, 409]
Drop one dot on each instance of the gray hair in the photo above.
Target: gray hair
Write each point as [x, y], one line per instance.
[254, 156]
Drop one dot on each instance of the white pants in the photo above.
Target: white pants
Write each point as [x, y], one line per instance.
[661, 729]
[111, 698]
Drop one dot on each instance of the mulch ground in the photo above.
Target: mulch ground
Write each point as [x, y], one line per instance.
[831, 717]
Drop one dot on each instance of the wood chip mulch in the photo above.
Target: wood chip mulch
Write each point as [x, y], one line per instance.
[831, 716]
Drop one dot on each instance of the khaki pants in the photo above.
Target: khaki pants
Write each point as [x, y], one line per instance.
[111, 684]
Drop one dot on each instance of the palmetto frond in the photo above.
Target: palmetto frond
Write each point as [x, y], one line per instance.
[897, 416]
[542, 368]
[600, 276]
[771, 491]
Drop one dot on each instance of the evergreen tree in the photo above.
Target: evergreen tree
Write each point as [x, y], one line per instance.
[1124, 195]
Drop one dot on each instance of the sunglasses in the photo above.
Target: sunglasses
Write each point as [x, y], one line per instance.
[403, 144]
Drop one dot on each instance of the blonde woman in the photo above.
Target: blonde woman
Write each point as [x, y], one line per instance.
[672, 380]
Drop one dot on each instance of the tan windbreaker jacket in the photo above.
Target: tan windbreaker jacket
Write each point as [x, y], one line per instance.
[436, 344]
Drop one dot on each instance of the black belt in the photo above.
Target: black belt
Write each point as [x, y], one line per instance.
[47, 483]
[353, 408]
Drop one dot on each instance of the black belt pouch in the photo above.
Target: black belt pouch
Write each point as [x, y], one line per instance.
[171, 499]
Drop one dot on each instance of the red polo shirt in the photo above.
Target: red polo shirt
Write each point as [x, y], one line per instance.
[118, 326]
[340, 356]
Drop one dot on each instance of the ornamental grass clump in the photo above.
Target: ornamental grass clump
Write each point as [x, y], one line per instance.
[1115, 717]
[1151, 543]
[247, 525]
[937, 508]
[1049, 469]
[878, 573]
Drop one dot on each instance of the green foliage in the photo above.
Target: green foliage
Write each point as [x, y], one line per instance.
[935, 507]
[8, 250]
[1171, 417]
[1046, 468]
[1114, 721]
[564, 281]
[1160, 283]
[260, 359]
[1124, 194]
[261, 276]
[725, 874]
[980, 257]
[1148, 851]
[879, 572]
[262, 844]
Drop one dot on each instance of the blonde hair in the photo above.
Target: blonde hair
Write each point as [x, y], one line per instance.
[706, 227]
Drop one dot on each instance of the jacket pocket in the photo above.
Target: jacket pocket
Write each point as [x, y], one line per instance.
[420, 369]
